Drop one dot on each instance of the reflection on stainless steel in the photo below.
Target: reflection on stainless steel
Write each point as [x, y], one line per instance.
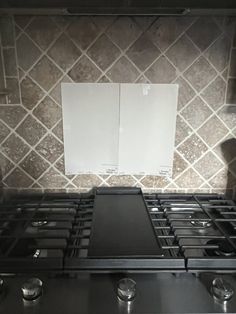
[37, 253]
[222, 289]
[200, 220]
[39, 223]
[32, 289]
[126, 289]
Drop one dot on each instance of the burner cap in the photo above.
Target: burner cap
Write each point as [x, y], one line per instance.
[225, 248]
[203, 223]
[39, 223]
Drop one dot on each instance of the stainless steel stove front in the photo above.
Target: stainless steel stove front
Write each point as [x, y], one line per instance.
[95, 294]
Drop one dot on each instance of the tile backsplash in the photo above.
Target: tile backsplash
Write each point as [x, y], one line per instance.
[37, 53]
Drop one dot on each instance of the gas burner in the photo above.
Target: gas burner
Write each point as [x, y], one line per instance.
[203, 223]
[224, 248]
[39, 223]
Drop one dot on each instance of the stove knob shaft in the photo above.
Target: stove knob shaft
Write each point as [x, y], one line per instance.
[222, 289]
[126, 289]
[32, 289]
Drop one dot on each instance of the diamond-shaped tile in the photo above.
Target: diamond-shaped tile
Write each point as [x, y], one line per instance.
[30, 93]
[84, 71]
[45, 73]
[121, 180]
[64, 52]
[9, 56]
[183, 47]
[196, 112]
[228, 115]
[212, 131]
[161, 71]
[103, 52]
[14, 148]
[18, 179]
[6, 166]
[104, 79]
[31, 130]
[200, 73]
[143, 52]
[123, 72]
[27, 52]
[12, 115]
[60, 165]
[42, 30]
[61, 20]
[103, 21]
[220, 180]
[53, 179]
[186, 93]
[22, 20]
[50, 148]
[48, 112]
[203, 32]
[166, 30]
[208, 165]
[142, 80]
[154, 182]
[192, 148]
[124, 31]
[218, 53]
[58, 130]
[83, 31]
[13, 96]
[144, 21]
[4, 131]
[179, 165]
[226, 150]
[34, 165]
[87, 181]
[56, 91]
[182, 130]
[214, 94]
[189, 179]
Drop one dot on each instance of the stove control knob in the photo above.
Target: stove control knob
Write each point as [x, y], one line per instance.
[222, 289]
[126, 289]
[32, 289]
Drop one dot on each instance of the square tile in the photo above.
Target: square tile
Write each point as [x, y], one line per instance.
[50, 148]
[12, 115]
[214, 94]
[196, 112]
[228, 115]
[84, 71]
[34, 165]
[14, 148]
[6, 166]
[182, 130]
[4, 131]
[212, 131]
[87, 181]
[179, 165]
[186, 93]
[143, 52]
[200, 74]
[103, 52]
[161, 71]
[154, 182]
[208, 165]
[123, 72]
[31, 93]
[189, 179]
[53, 179]
[14, 91]
[18, 179]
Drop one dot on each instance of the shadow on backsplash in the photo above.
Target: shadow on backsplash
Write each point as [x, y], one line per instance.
[228, 149]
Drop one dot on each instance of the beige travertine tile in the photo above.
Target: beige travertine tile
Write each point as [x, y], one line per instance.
[27, 52]
[200, 74]
[14, 148]
[45, 73]
[30, 93]
[22, 20]
[208, 165]
[121, 180]
[14, 92]
[202, 112]
[56, 91]
[212, 131]
[31, 131]
[103, 52]
[7, 31]
[123, 72]
[228, 115]
[214, 94]
[144, 21]
[103, 21]
[87, 181]
[179, 165]
[189, 179]
[192, 148]
[183, 47]
[5, 166]
[220, 179]
[34, 165]
[42, 30]
[84, 71]
[18, 179]
[155, 182]
[83, 31]
[53, 179]
[231, 92]
[203, 32]
[58, 130]
[48, 112]
[161, 71]
[143, 52]
[4, 131]
[104, 79]
[12, 115]
[123, 31]
[9, 55]
[182, 130]
[64, 52]
[50, 148]
[167, 29]
[186, 93]
[218, 53]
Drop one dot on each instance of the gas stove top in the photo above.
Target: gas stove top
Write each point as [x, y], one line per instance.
[118, 229]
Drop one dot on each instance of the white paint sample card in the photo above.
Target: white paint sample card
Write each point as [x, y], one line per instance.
[91, 127]
[147, 128]
[119, 128]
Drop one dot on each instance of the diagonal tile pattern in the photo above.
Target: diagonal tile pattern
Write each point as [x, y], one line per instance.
[40, 52]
